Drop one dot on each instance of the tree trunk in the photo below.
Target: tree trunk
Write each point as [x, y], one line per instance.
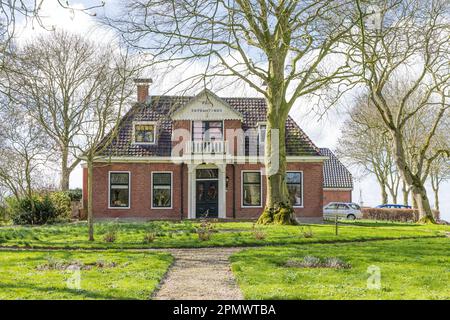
[414, 180]
[405, 191]
[90, 216]
[423, 205]
[65, 171]
[414, 202]
[278, 208]
[436, 198]
[384, 195]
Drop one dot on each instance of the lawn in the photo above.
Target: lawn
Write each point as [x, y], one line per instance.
[409, 269]
[183, 234]
[103, 275]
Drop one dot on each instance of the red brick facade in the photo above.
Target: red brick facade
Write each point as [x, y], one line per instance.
[174, 140]
[140, 190]
[336, 196]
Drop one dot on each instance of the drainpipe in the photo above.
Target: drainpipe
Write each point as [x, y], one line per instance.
[234, 191]
[182, 191]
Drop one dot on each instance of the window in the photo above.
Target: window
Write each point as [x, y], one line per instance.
[261, 138]
[162, 190]
[207, 130]
[294, 184]
[332, 206]
[207, 174]
[251, 189]
[354, 206]
[119, 190]
[144, 133]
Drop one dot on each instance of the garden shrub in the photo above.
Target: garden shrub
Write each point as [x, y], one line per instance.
[75, 194]
[21, 212]
[4, 217]
[48, 208]
[400, 215]
[62, 203]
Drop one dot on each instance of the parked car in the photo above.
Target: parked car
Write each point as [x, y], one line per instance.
[393, 206]
[347, 210]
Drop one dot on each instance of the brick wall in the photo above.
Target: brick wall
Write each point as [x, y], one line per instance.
[336, 196]
[140, 201]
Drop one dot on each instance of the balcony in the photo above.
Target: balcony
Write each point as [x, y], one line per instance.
[207, 147]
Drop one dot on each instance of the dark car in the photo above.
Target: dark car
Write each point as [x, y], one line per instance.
[393, 206]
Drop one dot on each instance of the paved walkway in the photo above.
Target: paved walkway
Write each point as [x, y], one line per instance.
[200, 274]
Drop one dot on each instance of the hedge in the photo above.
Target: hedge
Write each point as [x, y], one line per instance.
[402, 215]
[48, 208]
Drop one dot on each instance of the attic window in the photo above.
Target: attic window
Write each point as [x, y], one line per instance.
[144, 132]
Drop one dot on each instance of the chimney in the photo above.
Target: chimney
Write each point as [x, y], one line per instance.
[142, 89]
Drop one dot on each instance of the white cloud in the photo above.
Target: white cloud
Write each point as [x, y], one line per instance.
[55, 17]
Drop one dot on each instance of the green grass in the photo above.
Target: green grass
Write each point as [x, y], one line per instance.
[410, 269]
[134, 276]
[183, 234]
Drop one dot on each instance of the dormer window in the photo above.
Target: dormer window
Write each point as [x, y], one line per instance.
[144, 132]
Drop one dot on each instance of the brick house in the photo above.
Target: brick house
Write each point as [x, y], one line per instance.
[337, 180]
[178, 157]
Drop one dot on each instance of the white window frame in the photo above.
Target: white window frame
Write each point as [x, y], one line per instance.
[207, 120]
[242, 188]
[302, 185]
[129, 190]
[171, 190]
[259, 124]
[135, 123]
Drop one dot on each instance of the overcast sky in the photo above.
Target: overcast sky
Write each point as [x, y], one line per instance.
[324, 131]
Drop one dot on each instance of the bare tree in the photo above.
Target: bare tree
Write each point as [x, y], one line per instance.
[408, 37]
[111, 93]
[366, 145]
[28, 11]
[23, 153]
[440, 168]
[281, 49]
[56, 77]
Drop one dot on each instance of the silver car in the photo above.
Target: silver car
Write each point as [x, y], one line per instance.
[346, 210]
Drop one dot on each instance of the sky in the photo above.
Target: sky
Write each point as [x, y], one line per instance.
[323, 130]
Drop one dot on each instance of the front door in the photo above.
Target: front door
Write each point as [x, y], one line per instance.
[207, 193]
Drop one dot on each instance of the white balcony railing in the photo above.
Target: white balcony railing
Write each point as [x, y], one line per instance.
[207, 147]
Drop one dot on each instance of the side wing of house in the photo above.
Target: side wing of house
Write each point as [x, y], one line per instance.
[338, 181]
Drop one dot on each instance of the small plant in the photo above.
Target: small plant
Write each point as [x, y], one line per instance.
[336, 263]
[110, 236]
[149, 237]
[311, 262]
[306, 232]
[315, 262]
[291, 276]
[258, 233]
[205, 230]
